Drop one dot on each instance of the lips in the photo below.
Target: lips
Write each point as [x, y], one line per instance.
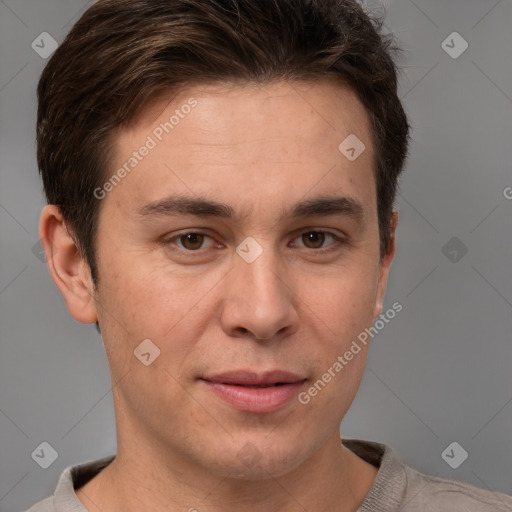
[253, 392]
[252, 379]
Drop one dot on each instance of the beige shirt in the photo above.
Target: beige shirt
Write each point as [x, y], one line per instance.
[397, 487]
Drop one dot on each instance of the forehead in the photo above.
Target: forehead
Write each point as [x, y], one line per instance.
[235, 115]
[279, 139]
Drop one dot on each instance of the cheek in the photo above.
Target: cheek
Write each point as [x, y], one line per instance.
[146, 315]
[148, 299]
[338, 358]
[339, 310]
[170, 308]
[343, 300]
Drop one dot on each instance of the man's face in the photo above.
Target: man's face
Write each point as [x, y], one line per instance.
[256, 292]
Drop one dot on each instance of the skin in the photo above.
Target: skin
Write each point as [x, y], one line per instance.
[259, 149]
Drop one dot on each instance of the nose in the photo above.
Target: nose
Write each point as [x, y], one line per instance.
[258, 299]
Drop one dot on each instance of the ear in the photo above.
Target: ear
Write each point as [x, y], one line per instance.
[385, 265]
[68, 269]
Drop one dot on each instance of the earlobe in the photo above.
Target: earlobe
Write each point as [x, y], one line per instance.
[68, 269]
[385, 265]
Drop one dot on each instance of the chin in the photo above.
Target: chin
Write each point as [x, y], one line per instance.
[259, 461]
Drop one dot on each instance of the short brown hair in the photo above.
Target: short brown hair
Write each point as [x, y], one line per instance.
[121, 54]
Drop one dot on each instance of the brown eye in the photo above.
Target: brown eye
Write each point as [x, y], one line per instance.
[188, 242]
[318, 241]
[314, 238]
[192, 241]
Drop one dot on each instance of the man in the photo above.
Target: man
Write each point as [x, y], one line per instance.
[221, 179]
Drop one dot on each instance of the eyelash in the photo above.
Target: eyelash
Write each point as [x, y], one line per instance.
[338, 241]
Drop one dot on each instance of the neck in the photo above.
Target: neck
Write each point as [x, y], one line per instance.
[334, 479]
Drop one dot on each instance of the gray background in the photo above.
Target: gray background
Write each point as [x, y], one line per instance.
[439, 372]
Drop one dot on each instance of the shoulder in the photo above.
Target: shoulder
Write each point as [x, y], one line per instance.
[400, 486]
[45, 505]
[73, 477]
[430, 493]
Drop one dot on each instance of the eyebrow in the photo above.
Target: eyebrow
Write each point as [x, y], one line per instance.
[204, 207]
